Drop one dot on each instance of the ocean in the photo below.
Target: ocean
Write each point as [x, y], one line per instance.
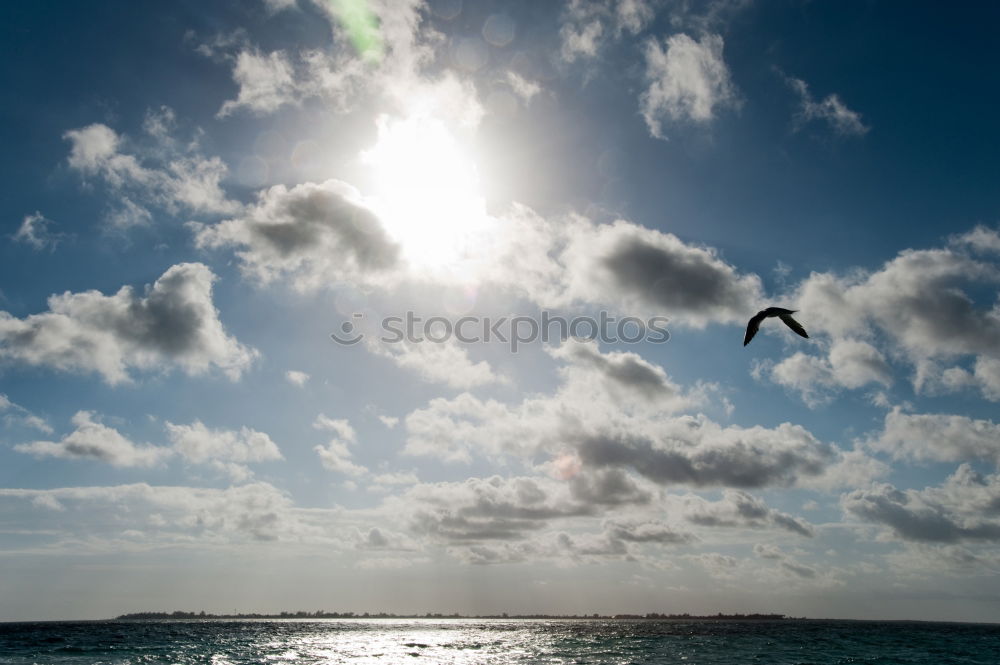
[359, 641]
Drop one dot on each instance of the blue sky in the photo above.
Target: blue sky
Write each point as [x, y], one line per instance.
[199, 194]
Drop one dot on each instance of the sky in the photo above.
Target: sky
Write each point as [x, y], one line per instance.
[274, 276]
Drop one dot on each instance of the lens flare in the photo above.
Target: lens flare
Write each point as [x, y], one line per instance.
[361, 25]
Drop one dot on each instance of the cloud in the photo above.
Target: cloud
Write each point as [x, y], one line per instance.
[594, 384]
[767, 551]
[851, 468]
[174, 324]
[485, 509]
[505, 520]
[390, 67]
[615, 411]
[938, 437]
[786, 562]
[652, 531]
[321, 235]
[96, 441]
[739, 509]
[500, 553]
[627, 374]
[35, 232]
[175, 515]
[830, 110]
[336, 454]
[915, 298]
[382, 482]
[621, 266]
[226, 450]
[985, 376]
[855, 363]
[582, 29]
[717, 565]
[633, 15]
[316, 235]
[278, 5]
[522, 87]
[688, 81]
[390, 562]
[446, 362]
[378, 539]
[267, 82]
[917, 304]
[586, 25]
[850, 363]
[608, 488]
[660, 271]
[963, 508]
[694, 451]
[980, 239]
[15, 414]
[165, 175]
[624, 540]
[296, 378]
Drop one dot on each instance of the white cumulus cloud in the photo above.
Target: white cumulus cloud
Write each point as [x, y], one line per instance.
[94, 440]
[174, 323]
[688, 81]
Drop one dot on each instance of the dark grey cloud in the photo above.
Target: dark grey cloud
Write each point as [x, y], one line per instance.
[648, 532]
[675, 278]
[739, 509]
[887, 505]
[489, 509]
[317, 235]
[966, 507]
[607, 487]
[623, 267]
[627, 371]
[734, 457]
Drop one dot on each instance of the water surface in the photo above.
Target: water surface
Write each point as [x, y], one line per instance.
[359, 641]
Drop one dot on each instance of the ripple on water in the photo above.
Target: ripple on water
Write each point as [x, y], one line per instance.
[498, 642]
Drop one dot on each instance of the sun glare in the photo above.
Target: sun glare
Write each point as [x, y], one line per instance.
[426, 191]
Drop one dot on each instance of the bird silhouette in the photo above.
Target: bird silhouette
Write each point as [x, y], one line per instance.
[783, 314]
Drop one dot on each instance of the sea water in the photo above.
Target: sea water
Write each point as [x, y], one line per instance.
[359, 641]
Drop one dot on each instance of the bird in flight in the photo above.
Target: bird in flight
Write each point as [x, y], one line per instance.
[783, 314]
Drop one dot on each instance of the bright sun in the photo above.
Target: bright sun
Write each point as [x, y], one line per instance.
[426, 191]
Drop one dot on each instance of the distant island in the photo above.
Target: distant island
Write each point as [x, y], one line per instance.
[321, 614]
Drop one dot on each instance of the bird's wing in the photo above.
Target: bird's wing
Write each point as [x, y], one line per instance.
[752, 327]
[794, 325]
